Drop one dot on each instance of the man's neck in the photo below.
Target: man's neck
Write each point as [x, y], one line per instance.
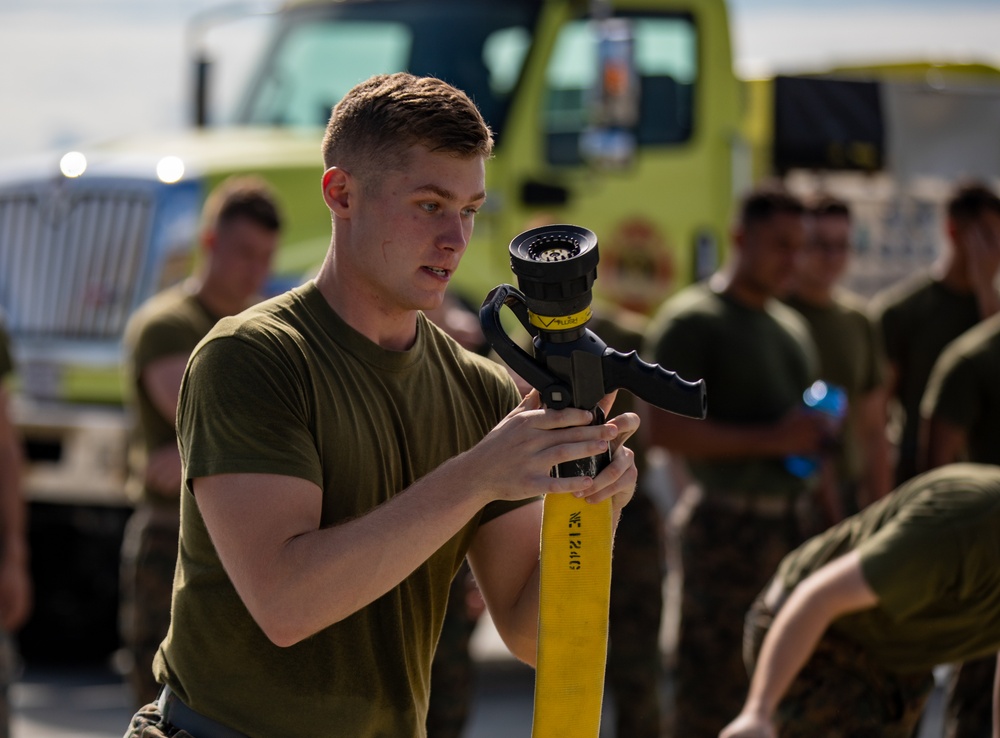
[815, 295]
[739, 290]
[953, 274]
[395, 332]
[217, 305]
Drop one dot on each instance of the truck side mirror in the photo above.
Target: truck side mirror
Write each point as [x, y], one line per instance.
[609, 140]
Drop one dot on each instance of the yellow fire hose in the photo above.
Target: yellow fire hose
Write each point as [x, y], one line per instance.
[574, 594]
[556, 266]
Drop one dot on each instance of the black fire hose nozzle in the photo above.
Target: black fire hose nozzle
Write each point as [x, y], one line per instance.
[654, 384]
[649, 382]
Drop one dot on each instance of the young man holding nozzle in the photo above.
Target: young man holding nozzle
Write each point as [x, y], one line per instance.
[342, 456]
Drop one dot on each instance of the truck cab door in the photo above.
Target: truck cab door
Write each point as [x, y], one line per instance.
[605, 132]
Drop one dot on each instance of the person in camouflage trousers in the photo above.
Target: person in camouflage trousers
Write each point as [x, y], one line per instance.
[638, 567]
[635, 668]
[960, 420]
[844, 640]
[739, 515]
[838, 666]
[240, 234]
[452, 670]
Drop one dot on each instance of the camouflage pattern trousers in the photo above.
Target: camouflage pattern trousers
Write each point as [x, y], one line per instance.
[970, 699]
[452, 670]
[148, 723]
[634, 659]
[728, 552]
[10, 668]
[841, 692]
[149, 556]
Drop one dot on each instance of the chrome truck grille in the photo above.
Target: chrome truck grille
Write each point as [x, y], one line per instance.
[70, 259]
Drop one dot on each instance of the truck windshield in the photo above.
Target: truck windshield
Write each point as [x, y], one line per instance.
[321, 51]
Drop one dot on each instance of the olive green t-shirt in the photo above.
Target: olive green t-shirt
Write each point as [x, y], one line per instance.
[918, 318]
[850, 356]
[756, 365]
[931, 552]
[964, 388]
[170, 323]
[289, 388]
[622, 331]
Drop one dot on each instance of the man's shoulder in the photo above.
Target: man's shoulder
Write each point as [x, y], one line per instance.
[281, 315]
[465, 361]
[850, 302]
[903, 295]
[172, 306]
[981, 342]
[694, 302]
[685, 316]
[791, 321]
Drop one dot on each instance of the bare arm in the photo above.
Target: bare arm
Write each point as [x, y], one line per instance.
[798, 432]
[296, 578]
[505, 554]
[162, 381]
[876, 481]
[15, 582]
[835, 590]
[509, 581]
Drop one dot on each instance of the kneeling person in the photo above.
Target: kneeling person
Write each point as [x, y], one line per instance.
[844, 639]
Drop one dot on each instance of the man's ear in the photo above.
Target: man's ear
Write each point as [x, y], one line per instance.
[338, 190]
[737, 236]
[954, 230]
[207, 240]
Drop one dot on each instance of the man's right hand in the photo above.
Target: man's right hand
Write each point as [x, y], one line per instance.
[514, 460]
[802, 431]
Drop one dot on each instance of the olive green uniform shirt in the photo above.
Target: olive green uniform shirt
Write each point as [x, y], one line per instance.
[850, 355]
[756, 365]
[964, 389]
[168, 324]
[931, 552]
[918, 318]
[289, 388]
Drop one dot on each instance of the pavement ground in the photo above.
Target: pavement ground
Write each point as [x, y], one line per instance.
[93, 702]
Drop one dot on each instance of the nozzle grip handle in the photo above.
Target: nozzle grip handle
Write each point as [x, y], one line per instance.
[528, 368]
[654, 384]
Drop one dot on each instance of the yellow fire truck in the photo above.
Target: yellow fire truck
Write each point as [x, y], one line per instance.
[625, 117]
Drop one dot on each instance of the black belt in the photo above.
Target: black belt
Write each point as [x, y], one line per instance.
[181, 716]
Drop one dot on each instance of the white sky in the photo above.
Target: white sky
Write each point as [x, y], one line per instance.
[77, 70]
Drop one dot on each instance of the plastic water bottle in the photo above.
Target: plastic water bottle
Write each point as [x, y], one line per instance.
[824, 398]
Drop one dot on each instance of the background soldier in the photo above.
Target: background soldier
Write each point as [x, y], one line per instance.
[241, 225]
[843, 641]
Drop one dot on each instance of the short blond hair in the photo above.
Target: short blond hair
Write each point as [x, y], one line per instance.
[375, 123]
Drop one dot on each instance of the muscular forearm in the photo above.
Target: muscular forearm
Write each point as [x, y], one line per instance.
[296, 583]
[789, 644]
[710, 439]
[12, 508]
[296, 578]
[706, 439]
